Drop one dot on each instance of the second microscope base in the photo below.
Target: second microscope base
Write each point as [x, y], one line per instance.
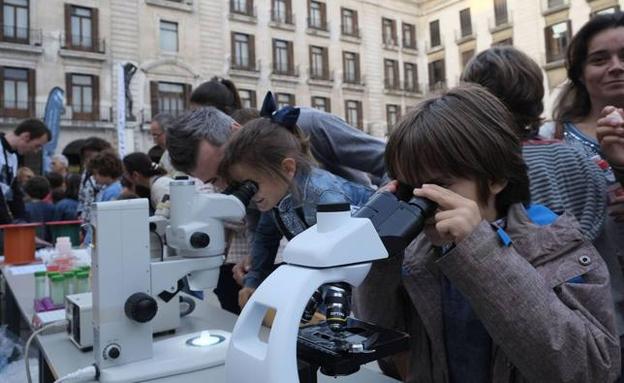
[173, 358]
[320, 347]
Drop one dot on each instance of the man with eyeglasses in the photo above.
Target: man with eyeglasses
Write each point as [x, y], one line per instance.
[158, 127]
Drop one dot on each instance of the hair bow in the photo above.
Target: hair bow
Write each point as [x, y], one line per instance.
[286, 116]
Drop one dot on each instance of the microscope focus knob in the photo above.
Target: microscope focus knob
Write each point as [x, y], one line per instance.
[141, 307]
[200, 240]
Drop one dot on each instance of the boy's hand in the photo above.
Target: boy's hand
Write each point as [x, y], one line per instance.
[610, 133]
[241, 269]
[457, 216]
[243, 296]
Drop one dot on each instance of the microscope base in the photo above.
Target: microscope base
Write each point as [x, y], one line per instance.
[173, 359]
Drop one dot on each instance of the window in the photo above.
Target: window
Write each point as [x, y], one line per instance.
[248, 98]
[81, 28]
[83, 96]
[15, 20]
[321, 103]
[351, 67]
[393, 114]
[317, 18]
[465, 22]
[437, 75]
[244, 7]
[243, 51]
[169, 97]
[285, 99]
[353, 113]
[605, 11]
[17, 92]
[557, 39]
[282, 11]
[319, 63]
[500, 12]
[466, 56]
[168, 36]
[507, 41]
[409, 36]
[411, 77]
[349, 22]
[434, 32]
[555, 3]
[388, 28]
[391, 72]
[283, 57]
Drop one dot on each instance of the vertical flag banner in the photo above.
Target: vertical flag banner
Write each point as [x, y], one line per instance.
[121, 111]
[52, 118]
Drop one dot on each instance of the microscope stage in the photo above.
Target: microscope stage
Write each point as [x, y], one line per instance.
[342, 353]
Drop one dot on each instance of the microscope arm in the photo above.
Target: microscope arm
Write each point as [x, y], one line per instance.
[203, 273]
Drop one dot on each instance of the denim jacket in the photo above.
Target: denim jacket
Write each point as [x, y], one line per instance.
[295, 213]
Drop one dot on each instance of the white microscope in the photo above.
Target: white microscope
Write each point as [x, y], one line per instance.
[339, 248]
[126, 282]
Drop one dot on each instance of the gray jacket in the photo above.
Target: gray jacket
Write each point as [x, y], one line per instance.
[545, 325]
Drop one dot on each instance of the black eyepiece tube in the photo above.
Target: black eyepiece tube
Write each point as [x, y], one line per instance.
[244, 191]
[397, 222]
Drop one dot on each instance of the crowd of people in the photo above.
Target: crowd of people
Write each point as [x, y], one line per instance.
[519, 275]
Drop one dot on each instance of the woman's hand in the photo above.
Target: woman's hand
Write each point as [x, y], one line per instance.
[241, 269]
[610, 133]
[457, 216]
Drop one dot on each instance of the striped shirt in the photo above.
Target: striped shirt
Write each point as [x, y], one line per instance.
[564, 179]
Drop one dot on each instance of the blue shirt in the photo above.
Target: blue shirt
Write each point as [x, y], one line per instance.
[110, 192]
[66, 210]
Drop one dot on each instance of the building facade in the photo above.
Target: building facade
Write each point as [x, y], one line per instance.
[367, 61]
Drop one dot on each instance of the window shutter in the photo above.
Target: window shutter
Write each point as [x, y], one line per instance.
[32, 92]
[250, 7]
[96, 98]
[323, 7]
[154, 97]
[360, 121]
[68, 30]
[234, 60]
[291, 59]
[344, 66]
[328, 104]
[356, 26]
[252, 96]
[1, 91]
[311, 61]
[289, 15]
[326, 63]
[274, 56]
[252, 52]
[68, 88]
[394, 33]
[188, 90]
[2, 18]
[95, 22]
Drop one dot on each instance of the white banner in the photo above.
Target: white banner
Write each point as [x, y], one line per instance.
[121, 111]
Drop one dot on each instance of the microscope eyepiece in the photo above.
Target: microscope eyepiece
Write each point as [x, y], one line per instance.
[244, 191]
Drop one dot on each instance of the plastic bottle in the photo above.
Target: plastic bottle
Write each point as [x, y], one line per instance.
[614, 188]
[82, 282]
[70, 278]
[40, 284]
[57, 289]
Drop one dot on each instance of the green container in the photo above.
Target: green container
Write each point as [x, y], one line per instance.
[57, 289]
[82, 282]
[69, 229]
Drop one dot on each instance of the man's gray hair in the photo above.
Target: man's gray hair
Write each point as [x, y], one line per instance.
[164, 120]
[188, 130]
[61, 158]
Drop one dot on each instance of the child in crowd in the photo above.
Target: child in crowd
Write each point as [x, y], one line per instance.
[57, 187]
[149, 181]
[107, 170]
[38, 210]
[497, 289]
[67, 208]
[273, 152]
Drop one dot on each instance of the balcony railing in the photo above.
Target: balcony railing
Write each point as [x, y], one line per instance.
[320, 25]
[392, 84]
[13, 34]
[411, 87]
[412, 44]
[83, 43]
[286, 18]
[350, 78]
[437, 86]
[350, 32]
[390, 41]
[323, 76]
[24, 109]
[290, 71]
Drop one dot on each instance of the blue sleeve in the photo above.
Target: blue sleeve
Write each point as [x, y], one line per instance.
[336, 143]
[263, 250]
[111, 193]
